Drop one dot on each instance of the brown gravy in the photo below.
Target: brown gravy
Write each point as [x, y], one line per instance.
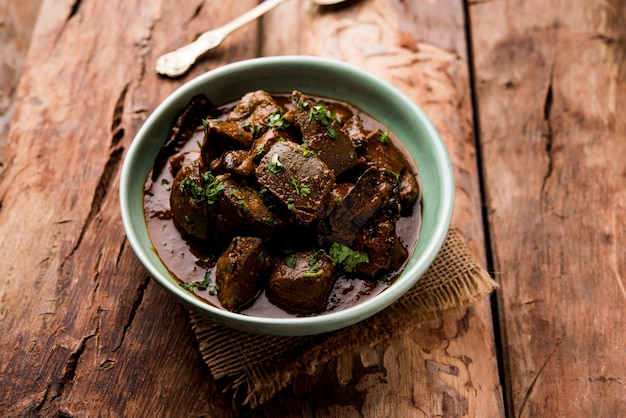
[189, 263]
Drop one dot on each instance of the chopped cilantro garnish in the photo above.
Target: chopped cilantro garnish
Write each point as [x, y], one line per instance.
[291, 261]
[276, 119]
[275, 166]
[324, 117]
[190, 187]
[314, 265]
[302, 104]
[347, 258]
[210, 189]
[384, 137]
[205, 284]
[317, 273]
[240, 198]
[165, 184]
[301, 188]
[256, 131]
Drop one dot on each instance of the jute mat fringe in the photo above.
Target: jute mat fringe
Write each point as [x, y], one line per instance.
[254, 367]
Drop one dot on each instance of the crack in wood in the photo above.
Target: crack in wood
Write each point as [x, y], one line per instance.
[133, 311]
[71, 366]
[530, 389]
[119, 254]
[547, 110]
[100, 194]
[40, 405]
[69, 373]
[196, 11]
[118, 110]
[74, 10]
[110, 169]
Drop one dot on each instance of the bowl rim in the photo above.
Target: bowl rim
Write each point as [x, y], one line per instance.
[292, 325]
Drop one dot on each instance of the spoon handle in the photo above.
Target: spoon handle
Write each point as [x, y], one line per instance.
[178, 62]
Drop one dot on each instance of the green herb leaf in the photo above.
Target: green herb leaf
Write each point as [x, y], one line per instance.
[210, 189]
[205, 284]
[275, 166]
[191, 188]
[384, 137]
[347, 258]
[276, 119]
[301, 188]
[291, 261]
[213, 188]
[256, 131]
[324, 117]
[317, 273]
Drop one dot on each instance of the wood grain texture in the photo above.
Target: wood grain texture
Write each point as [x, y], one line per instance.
[444, 368]
[83, 330]
[551, 93]
[86, 331]
[17, 19]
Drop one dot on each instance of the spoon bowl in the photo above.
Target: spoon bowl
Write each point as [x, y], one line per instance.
[178, 62]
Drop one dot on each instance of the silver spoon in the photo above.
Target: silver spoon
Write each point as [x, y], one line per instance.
[178, 62]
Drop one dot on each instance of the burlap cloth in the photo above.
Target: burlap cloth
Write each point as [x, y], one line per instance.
[252, 368]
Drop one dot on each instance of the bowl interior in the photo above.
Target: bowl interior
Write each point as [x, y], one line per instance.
[319, 77]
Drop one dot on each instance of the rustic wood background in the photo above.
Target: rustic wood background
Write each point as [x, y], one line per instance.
[528, 97]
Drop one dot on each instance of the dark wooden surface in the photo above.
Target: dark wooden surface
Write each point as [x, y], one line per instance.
[528, 98]
[551, 92]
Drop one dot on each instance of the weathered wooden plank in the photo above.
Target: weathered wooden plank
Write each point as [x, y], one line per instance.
[445, 367]
[551, 89]
[17, 19]
[93, 313]
[83, 330]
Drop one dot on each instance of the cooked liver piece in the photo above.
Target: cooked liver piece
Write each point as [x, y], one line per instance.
[253, 111]
[301, 284]
[375, 191]
[221, 135]
[237, 162]
[268, 139]
[190, 212]
[384, 250]
[383, 153]
[323, 135]
[297, 178]
[241, 272]
[241, 211]
[354, 128]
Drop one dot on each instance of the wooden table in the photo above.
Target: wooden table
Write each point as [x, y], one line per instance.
[529, 97]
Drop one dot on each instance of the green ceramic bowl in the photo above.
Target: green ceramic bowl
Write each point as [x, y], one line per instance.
[319, 77]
